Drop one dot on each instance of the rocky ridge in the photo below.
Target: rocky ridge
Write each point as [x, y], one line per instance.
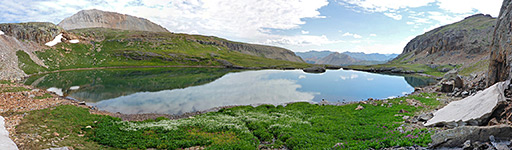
[27, 37]
[465, 42]
[102, 19]
[263, 50]
[338, 59]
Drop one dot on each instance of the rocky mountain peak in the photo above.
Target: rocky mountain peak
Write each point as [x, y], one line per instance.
[94, 18]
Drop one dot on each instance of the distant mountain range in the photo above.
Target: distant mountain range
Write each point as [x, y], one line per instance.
[345, 58]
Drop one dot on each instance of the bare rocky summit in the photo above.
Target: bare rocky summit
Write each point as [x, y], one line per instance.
[102, 19]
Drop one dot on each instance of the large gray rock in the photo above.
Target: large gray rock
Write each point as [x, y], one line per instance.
[458, 136]
[473, 110]
[5, 142]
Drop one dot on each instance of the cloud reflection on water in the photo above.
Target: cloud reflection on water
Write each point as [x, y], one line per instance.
[244, 88]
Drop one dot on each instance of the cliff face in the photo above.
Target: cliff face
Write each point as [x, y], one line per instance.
[463, 42]
[40, 32]
[501, 48]
[27, 37]
[102, 19]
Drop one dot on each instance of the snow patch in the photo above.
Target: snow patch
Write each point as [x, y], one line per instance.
[2, 33]
[55, 41]
[55, 90]
[74, 41]
[74, 87]
[5, 141]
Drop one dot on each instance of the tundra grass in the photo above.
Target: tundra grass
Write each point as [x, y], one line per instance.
[295, 126]
[27, 64]
[137, 48]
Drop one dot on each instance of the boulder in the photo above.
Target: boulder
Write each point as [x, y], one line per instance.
[315, 69]
[444, 69]
[458, 82]
[457, 137]
[472, 110]
[447, 86]
[425, 117]
[359, 107]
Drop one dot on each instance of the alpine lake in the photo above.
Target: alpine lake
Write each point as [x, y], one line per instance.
[181, 90]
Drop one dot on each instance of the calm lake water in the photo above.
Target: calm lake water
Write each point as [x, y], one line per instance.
[181, 90]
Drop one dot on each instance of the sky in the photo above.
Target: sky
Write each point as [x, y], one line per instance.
[370, 26]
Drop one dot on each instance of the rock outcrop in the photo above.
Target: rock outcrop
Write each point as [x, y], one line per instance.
[474, 110]
[460, 135]
[464, 42]
[102, 19]
[501, 48]
[27, 37]
[40, 32]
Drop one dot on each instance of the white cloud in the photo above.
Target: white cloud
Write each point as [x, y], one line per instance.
[444, 18]
[300, 40]
[491, 7]
[242, 88]
[246, 20]
[304, 32]
[391, 48]
[369, 79]
[394, 16]
[343, 78]
[455, 6]
[357, 36]
[353, 76]
[409, 23]
[387, 5]
[373, 35]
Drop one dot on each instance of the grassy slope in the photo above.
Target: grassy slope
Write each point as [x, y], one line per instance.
[296, 126]
[126, 48]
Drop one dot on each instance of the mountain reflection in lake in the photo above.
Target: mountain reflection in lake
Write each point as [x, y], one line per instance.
[181, 90]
